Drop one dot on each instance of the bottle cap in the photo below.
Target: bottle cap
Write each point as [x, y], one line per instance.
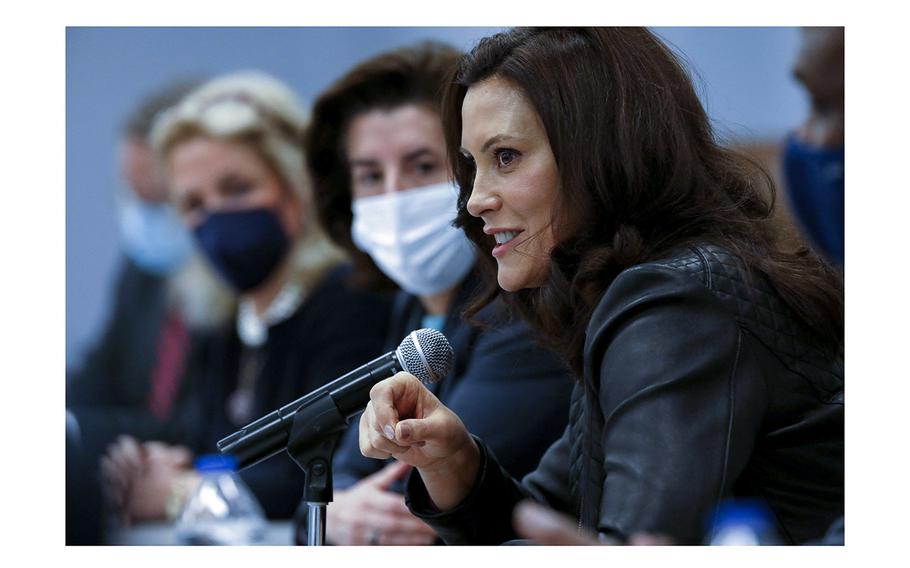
[747, 512]
[743, 522]
[215, 462]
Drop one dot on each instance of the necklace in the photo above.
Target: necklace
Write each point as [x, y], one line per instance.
[253, 329]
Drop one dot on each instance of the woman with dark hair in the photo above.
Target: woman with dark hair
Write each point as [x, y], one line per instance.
[709, 359]
[378, 160]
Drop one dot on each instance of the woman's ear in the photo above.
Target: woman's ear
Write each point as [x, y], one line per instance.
[293, 215]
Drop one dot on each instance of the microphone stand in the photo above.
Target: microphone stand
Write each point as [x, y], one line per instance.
[311, 445]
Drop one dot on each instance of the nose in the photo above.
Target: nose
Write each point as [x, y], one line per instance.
[394, 181]
[215, 202]
[482, 199]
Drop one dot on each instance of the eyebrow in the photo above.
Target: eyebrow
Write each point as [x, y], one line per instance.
[364, 163]
[488, 143]
[417, 154]
[409, 157]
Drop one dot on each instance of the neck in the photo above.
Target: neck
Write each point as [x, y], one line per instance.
[438, 304]
[265, 294]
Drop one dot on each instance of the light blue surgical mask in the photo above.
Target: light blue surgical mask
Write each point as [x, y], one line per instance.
[409, 235]
[153, 235]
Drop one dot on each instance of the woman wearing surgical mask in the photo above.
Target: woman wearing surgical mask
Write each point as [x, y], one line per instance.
[377, 155]
[118, 388]
[236, 173]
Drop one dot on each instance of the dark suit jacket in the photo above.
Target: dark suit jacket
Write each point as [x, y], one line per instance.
[108, 394]
[335, 330]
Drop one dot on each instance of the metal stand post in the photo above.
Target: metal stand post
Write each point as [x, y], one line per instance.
[311, 445]
[315, 524]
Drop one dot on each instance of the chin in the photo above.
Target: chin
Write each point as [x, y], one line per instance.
[508, 288]
[513, 283]
[508, 282]
[515, 278]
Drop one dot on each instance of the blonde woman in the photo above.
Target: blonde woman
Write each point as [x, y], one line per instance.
[236, 174]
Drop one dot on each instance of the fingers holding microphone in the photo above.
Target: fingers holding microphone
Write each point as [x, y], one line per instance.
[406, 421]
[379, 418]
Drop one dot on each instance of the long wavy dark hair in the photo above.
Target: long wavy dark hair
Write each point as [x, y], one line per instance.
[641, 175]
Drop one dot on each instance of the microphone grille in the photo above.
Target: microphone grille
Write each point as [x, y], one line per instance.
[426, 354]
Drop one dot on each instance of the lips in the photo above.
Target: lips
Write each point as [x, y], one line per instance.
[505, 241]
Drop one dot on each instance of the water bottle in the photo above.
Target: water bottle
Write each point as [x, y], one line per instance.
[221, 510]
[743, 522]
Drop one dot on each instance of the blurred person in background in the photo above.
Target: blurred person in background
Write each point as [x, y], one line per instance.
[383, 191]
[131, 382]
[814, 159]
[236, 172]
[814, 153]
[130, 379]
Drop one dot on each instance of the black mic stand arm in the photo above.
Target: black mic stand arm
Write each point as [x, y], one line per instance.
[311, 444]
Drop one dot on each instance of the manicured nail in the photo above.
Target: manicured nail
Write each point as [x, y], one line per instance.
[405, 431]
[389, 432]
[535, 517]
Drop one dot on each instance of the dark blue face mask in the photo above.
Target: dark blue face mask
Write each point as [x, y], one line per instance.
[815, 180]
[244, 246]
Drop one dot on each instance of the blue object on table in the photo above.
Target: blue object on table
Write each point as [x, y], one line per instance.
[215, 462]
[743, 522]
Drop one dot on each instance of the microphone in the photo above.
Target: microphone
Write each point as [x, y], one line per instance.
[425, 353]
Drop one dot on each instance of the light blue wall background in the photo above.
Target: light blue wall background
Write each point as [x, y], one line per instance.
[742, 75]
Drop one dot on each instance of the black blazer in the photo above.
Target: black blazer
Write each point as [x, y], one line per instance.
[700, 384]
[336, 329]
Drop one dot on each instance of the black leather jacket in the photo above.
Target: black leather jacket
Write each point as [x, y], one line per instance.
[699, 385]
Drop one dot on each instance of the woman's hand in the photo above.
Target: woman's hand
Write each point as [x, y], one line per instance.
[406, 421]
[124, 461]
[167, 468]
[139, 478]
[368, 513]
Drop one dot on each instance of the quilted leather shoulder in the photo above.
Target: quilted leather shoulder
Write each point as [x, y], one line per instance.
[760, 310]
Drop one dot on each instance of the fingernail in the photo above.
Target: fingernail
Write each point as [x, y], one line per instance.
[533, 516]
[389, 432]
[405, 431]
